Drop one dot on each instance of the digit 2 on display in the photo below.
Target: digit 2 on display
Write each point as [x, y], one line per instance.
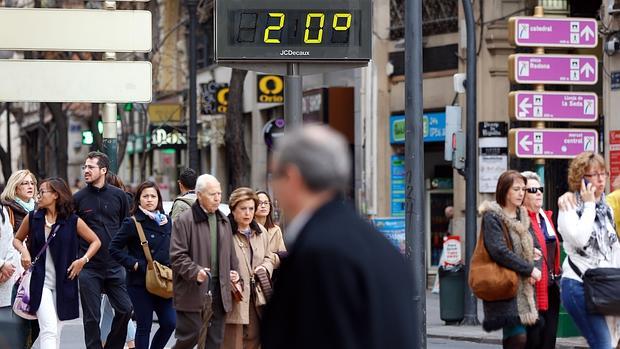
[293, 30]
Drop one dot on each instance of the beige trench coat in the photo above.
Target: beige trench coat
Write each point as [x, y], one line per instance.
[259, 242]
[276, 241]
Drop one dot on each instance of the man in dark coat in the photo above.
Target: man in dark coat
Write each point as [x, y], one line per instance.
[343, 285]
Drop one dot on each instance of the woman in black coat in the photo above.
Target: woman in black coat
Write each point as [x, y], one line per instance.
[148, 211]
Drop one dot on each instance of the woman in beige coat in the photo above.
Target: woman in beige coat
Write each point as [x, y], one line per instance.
[251, 245]
[264, 217]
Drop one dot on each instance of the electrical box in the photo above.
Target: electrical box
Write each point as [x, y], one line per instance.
[458, 150]
[453, 124]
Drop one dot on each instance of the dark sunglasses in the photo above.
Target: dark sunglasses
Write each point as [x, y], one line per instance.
[534, 190]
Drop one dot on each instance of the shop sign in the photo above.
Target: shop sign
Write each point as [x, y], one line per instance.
[434, 127]
[393, 229]
[397, 174]
[269, 88]
[614, 155]
[214, 98]
[168, 137]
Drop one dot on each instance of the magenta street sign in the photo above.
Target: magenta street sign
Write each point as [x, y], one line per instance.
[553, 69]
[553, 32]
[553, 106]
[552, 143]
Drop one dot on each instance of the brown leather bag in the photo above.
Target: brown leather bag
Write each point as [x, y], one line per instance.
[488, 280]
[158, 276]
[264, 282]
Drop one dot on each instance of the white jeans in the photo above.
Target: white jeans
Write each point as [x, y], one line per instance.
[50, 326]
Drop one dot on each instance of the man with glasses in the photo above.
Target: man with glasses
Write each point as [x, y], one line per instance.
[103, 207]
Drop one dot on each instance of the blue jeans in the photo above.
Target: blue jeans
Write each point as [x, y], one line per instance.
[593, 327]
[144, 304]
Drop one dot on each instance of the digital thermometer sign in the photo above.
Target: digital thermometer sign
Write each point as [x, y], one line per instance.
[293, 30]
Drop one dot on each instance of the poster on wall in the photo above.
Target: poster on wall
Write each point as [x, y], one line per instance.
[614, 155]
[397, 174]
[393, 229]
[491, 167]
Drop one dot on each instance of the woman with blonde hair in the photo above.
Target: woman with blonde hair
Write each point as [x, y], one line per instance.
[18, 196]
[590, 241]
[251, 246]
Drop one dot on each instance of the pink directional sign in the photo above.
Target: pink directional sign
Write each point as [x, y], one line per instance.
[553, 106]
[553, 32]
[552, 143]
[553, 69]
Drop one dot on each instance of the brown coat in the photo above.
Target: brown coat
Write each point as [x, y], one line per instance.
[276, 241]
[190, 251]
[262, 256]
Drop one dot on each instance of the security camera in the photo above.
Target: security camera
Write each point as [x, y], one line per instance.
[459, 82]
[612, 46]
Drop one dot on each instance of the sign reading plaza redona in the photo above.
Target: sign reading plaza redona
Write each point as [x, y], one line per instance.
[553, 69]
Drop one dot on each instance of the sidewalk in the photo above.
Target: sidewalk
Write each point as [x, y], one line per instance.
[436, 328]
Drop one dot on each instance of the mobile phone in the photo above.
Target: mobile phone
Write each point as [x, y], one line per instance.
[586, 181]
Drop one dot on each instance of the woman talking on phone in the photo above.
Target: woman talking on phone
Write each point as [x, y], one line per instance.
[590, 241]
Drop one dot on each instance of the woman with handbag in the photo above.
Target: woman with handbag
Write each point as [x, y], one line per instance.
[590, 242]
[251, 245]
[53, 231]
[149, 220]
[506, 237]
[543, 334]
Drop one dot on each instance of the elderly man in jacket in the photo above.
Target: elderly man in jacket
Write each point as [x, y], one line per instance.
[343, 285]
[201, 242]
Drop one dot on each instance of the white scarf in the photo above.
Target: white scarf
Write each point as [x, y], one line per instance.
[550, 230]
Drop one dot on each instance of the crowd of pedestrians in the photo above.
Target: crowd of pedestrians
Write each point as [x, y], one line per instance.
[586, 230]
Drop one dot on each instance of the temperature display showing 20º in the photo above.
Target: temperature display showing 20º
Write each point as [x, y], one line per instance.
[311, 30]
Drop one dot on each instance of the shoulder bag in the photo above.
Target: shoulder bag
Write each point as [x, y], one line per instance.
[158, 276]
[488, 280]
[601, 287]
[21, 305]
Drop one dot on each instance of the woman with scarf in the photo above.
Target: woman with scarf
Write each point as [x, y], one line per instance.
[511, 315]
[126, 248]
[543, 335]
[590, 241]
[18, 198]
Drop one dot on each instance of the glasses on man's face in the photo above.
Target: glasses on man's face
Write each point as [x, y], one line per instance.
[263, 203]
[89, 167]
[25, 183]
[599, 175]
[534, 190]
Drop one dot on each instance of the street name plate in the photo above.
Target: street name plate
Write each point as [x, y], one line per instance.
[553, 106]
[551, 143]
[553, 32]
[30, 29]
[553, 69]
[75, 81]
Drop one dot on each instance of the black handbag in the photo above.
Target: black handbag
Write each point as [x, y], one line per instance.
[601, 287]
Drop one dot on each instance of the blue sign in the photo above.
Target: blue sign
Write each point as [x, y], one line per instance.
[398, 175]
[434, 128]
[393, 229]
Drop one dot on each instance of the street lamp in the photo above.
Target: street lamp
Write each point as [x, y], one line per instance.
[192, 144]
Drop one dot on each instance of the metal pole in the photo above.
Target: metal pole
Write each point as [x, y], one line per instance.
[414, 163]
[110, 141]
[192, 145]
[8, 134]
[293, 95]
[540, 163]
[471, 163]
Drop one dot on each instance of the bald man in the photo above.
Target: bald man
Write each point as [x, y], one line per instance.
[201, 242]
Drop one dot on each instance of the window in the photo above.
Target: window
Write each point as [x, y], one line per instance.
[438, 16]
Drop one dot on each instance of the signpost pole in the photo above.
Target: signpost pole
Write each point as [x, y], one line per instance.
[110, 141]
[471, 164]
[540, 163]
[192, 144]
[293, 96]
[414, 167]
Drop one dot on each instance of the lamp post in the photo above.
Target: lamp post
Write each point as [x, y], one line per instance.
[192, 145]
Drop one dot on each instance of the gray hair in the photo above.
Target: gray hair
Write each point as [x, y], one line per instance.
[532, 175]
[203, 180]
[320, 153]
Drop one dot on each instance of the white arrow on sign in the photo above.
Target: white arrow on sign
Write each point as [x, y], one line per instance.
[525, 143]
[524, 106]
[587, 32]
[587, 69]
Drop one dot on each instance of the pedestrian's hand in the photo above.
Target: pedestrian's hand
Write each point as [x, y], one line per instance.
[7, 270]
[567, 202]
[532, 280]
[75, 268]
[537, 254]
[587, 191]
[202, 275]
[536, 274]
[234, 276]
[26, 262]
